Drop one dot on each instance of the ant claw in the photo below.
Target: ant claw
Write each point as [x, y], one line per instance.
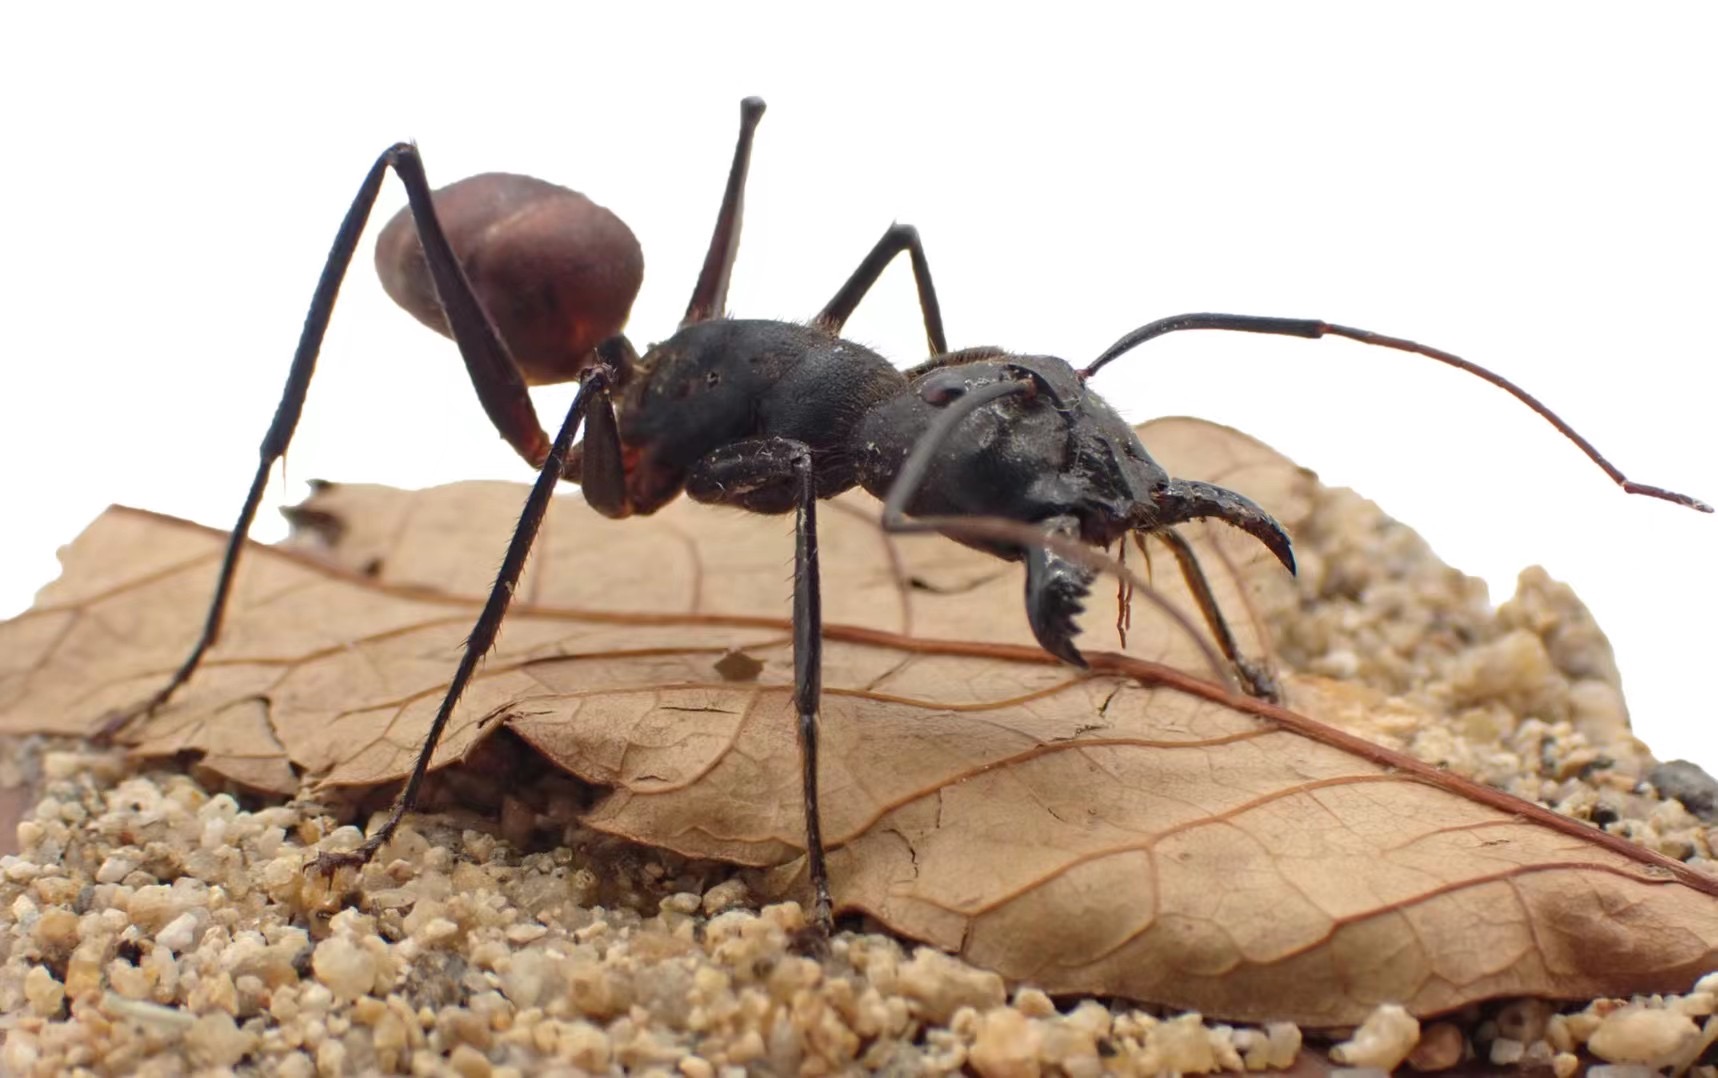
[823, 913]
[113, 722]
[1259, 680]
[330, 862]
[812, 941]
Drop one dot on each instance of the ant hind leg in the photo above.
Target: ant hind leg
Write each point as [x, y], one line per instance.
[593, 394]
[499, 385]
[898, 238]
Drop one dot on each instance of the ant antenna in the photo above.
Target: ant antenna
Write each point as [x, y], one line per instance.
[1310, 328]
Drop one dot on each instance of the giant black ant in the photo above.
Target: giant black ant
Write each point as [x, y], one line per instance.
[1011, 454]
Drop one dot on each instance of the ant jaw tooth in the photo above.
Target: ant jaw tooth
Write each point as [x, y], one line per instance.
[1055, 596]
[1057, 637]
[1182, 500]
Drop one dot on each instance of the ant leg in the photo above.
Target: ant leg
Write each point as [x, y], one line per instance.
[898, 238]
[1312, 328]
[500, 387]
[710, 295]
[1255, 676]
[833, 317]
[595, 464]
[592, 397]
[773, 475]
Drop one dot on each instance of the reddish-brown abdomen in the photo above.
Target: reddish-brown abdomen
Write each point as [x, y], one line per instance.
[556, 272]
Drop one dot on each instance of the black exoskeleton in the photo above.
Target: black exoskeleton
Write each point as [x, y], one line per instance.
[716, 384]
[1013, 455]
[1053, 454]
[696, 412]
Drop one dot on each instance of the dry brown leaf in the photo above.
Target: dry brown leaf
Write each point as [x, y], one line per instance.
[1135, 832]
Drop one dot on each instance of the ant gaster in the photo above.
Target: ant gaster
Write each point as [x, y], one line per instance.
[1011, 454]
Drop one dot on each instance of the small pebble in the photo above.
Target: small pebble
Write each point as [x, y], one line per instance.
[1184, 1045]
[56, 931]
[941, 985]
[1642, 1035]
[1383, 1040]
[682, 902]
[215, 1040]
[45, 994]
[344, 967]
[163, 1021]
[179, 933]
[1441, 1046]
[724, 896]
[115, 869]
[1284, 1039]
[1506, 1052]
[1007, 1045]
[1689, 784]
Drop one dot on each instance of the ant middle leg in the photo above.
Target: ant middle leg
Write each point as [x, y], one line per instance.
[499, 385]
[774, 475]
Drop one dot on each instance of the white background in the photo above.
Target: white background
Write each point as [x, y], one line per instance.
[1531, 186]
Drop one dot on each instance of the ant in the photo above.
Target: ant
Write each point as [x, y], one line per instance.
[1011, 454]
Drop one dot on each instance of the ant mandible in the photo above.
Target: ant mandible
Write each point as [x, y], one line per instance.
[1011, 454]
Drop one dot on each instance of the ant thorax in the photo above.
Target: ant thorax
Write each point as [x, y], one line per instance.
[717, 383]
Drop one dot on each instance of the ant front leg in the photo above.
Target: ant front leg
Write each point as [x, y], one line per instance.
[773, 475]
[1256, 677]
[1056, 590]
[593, 399]
[494, 375]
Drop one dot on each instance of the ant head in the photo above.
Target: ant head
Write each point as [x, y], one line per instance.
[1049, 449]
[1007, 456]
